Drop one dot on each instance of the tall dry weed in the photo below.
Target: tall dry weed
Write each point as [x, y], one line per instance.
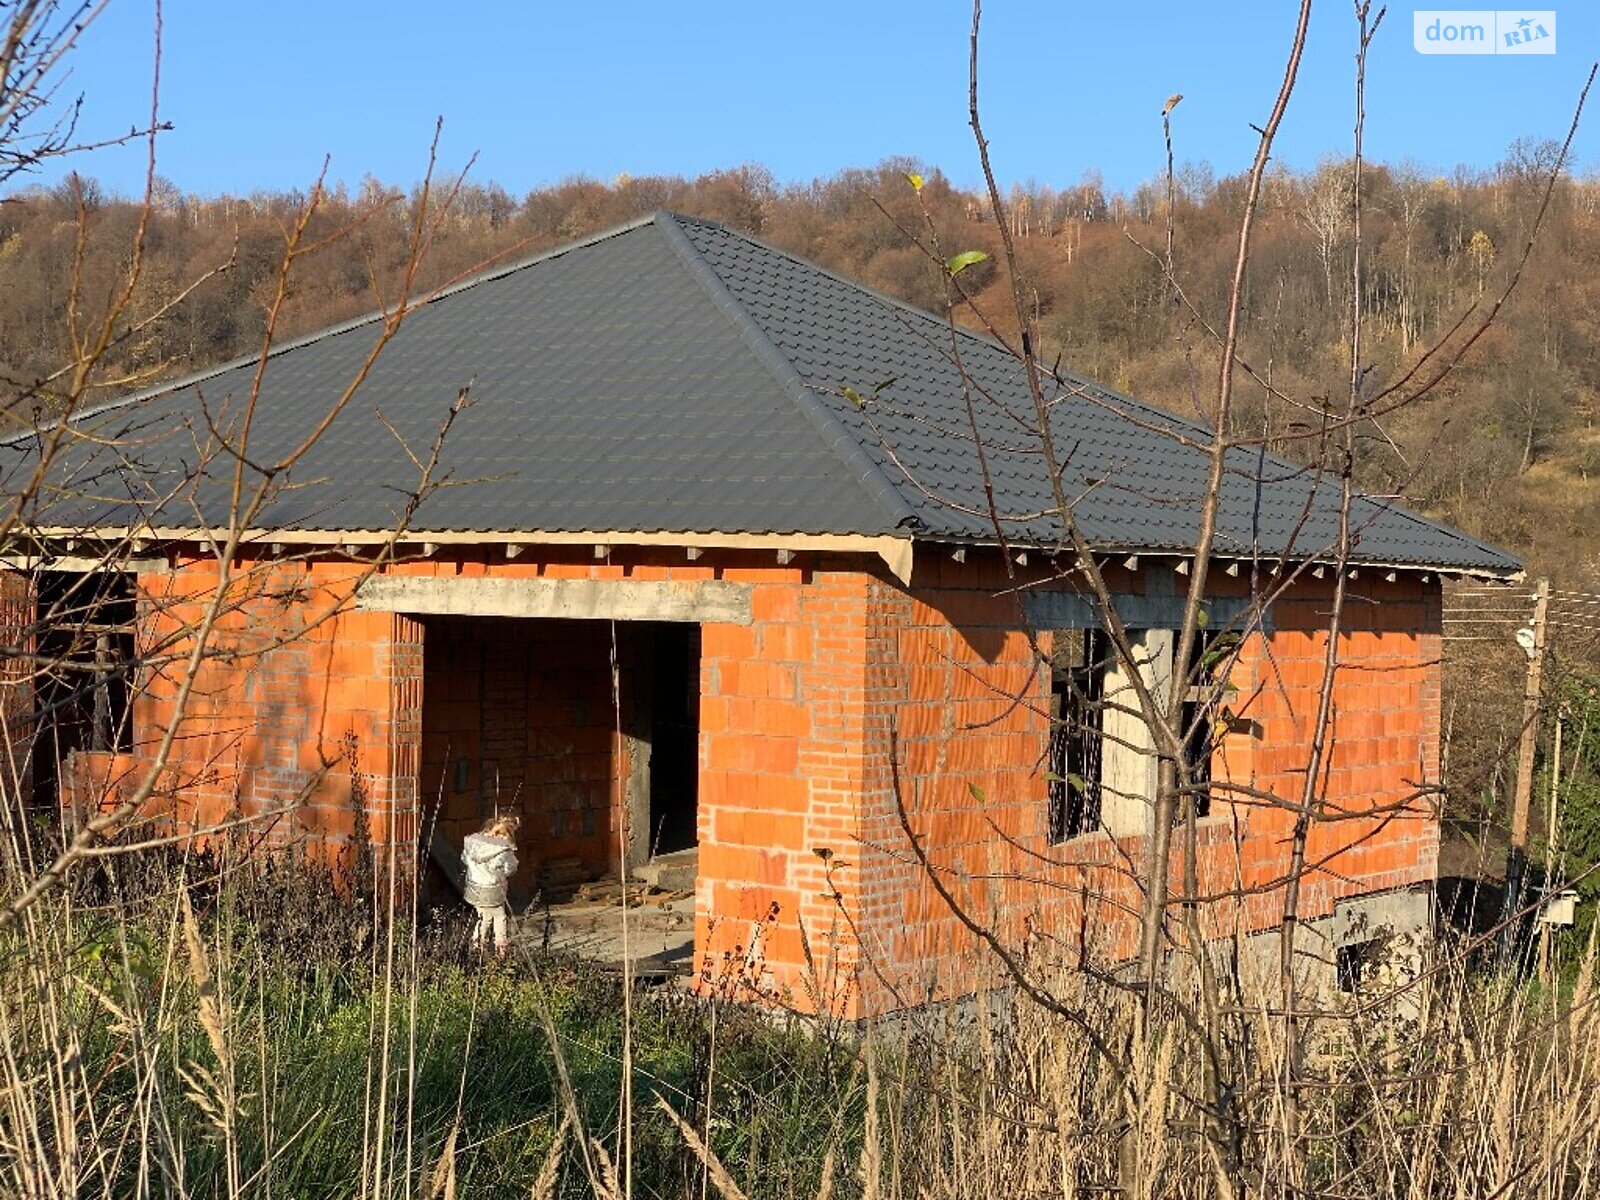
[157, 1048]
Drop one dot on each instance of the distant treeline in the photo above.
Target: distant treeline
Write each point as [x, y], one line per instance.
[1506, 447]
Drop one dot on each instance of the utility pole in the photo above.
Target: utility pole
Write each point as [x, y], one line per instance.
[1517, 860]
[1551, 825]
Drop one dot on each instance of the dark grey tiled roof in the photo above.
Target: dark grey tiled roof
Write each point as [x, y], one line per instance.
[676, 376]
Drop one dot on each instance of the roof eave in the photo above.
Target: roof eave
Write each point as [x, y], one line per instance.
[894, 549]
[1512, 572]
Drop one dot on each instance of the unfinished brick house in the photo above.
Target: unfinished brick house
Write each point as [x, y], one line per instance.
[701, 585]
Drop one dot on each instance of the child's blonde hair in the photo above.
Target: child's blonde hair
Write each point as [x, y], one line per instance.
[503, 825]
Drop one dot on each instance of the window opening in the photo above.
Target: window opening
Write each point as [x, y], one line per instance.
[84, 690]
[1202, 711]
[1077, 691]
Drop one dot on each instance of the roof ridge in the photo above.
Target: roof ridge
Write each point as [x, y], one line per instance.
[872, 478]
[974, 335]
[866, 288]
[1116, 398]
[486, 276]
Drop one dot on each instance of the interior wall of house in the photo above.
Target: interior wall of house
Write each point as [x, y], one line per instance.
[18, 719]
[517, 716]
[82, 692]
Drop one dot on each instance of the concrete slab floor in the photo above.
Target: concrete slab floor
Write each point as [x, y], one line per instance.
[660, 937]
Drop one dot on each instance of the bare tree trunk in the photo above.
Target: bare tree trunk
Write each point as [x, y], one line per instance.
[1167, 788]
[1310, 796]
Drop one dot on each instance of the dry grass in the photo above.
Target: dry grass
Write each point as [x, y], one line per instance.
[173, 1029]
[156, 1041]
[1470, 1088]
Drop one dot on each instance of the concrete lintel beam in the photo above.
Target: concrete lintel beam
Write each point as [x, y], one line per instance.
[83, 564]
[711, 601]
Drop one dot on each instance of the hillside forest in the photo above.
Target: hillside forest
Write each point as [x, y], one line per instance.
[1506, 447]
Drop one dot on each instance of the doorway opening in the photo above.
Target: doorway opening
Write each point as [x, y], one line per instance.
[674, 739]
[518, 715]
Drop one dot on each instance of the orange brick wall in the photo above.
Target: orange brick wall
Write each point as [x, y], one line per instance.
[784, 715]
[971, 700]
[1384, 737]
[300, 704]
[845, 685]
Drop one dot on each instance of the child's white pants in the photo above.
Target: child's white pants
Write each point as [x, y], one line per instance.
[490, 919]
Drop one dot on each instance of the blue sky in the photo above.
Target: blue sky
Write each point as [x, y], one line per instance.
[539, 90]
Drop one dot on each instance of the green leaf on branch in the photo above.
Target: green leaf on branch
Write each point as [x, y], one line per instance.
[1217, 653]
[964, 260]
[1075, 780]
[977, 792]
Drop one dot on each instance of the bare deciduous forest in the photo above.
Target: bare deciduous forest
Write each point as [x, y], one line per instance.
[1505, 449]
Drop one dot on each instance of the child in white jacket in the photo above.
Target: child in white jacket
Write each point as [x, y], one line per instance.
[490, 858]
